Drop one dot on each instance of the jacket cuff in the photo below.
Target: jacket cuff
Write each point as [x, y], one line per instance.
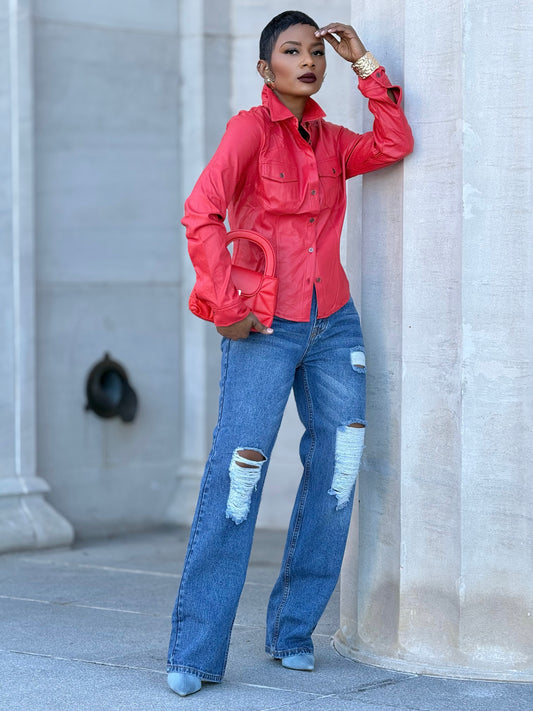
[231, 314]
[375, 86]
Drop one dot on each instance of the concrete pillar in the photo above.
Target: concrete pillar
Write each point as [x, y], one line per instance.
[193, 334]
[204, 45]
[438, 576]
[26, 519]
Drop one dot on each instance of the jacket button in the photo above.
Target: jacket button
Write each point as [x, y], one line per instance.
[318, 279]
[311, 249]
[313, 192]
[312, 219]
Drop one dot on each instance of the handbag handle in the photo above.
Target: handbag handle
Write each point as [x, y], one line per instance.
[262, 242]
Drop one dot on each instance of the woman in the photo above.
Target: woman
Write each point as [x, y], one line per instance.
[280, 170]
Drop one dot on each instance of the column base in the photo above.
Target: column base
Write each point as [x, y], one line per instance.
[181, 509]
[27, 521]
[414, 666]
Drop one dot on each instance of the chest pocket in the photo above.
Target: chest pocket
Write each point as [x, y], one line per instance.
[331, 181]
[280, 187]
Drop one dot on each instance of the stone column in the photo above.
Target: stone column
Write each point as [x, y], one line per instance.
[441, 580]
[204, 105]
[26, 519]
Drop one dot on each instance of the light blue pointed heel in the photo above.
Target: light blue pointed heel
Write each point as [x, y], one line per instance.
[301, 662]
[184, 684]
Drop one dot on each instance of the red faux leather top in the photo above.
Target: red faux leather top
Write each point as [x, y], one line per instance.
[269, 179]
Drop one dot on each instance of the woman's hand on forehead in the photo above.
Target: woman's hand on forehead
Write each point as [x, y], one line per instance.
[344, 40]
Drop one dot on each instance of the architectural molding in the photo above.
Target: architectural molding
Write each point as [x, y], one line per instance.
[26, 519]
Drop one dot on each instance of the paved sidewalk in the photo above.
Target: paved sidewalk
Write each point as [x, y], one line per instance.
[86, 629]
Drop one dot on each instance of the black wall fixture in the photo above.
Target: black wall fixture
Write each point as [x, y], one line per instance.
[109, 392]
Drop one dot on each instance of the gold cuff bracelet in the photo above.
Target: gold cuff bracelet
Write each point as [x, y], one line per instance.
[365, 65]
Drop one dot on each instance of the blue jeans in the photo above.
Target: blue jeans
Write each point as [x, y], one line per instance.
[323, 361]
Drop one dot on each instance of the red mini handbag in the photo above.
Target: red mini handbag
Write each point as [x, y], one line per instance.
[258, 290]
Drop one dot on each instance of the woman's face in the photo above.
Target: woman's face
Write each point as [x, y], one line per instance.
[298, 62]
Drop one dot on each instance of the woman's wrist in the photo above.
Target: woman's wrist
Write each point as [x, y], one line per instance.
[365, 65]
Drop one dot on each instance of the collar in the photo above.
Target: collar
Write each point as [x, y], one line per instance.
[279, 112]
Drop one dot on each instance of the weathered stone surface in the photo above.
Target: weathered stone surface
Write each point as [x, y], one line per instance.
[443, 582]
[26, 519]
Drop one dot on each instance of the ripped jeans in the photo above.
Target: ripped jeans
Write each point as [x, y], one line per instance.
[323, 362]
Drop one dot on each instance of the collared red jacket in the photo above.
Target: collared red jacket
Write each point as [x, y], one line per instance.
[266, 177]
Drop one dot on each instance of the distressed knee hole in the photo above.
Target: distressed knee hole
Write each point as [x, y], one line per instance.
[247, 458]
[357, 359]
[348, 451]
[244, 473]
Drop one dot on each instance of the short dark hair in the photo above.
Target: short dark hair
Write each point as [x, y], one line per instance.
[276, 26]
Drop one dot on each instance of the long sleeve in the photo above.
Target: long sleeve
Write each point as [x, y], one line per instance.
[391, 138]
[205, 212]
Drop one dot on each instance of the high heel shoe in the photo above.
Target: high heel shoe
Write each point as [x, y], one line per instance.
[183, 683]
[301, 662]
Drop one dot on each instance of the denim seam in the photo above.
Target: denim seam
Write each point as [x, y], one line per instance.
[201, 506]
[226, 653]
[313, 325]
[314, 333]
[280, 654]
[299, 516]
[206, 676]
